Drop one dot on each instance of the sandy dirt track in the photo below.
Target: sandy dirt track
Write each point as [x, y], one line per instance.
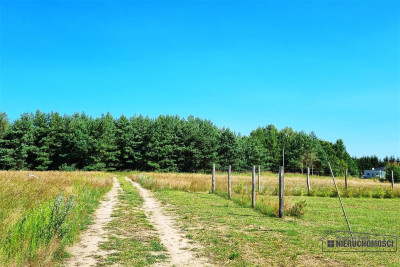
[85, 251]
[179, 249]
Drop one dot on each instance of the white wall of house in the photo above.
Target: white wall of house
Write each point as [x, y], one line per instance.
[374, 173]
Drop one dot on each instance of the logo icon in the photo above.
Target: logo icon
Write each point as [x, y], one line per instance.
[341, 241]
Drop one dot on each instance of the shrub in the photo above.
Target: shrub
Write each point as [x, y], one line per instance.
[395, 167]
[275, 191]
[239, 189]
[147, 182]
[67, 168]
[367, 193]
[298, 191]
[333, 192]
[298, 209]
[348, 193]
[37, 229]
[357, 192]
[379, 193]
[323, 192]
[313, 193]
[264, 206]
[388, 194]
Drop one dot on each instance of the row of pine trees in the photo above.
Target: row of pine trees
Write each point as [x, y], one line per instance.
[49, 141]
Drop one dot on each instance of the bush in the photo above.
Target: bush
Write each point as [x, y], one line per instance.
[147, 182]
[67, 168]
[393, 166]
[367, 193]
[298, 191]
[263, 205]
[379, 193]
[389, 194]
[239, 189]
[298, 209]
[36, 230]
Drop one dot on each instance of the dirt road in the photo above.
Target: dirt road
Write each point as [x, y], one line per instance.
[84, 253]
[179, 249]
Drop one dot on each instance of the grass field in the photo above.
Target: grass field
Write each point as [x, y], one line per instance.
[295, 184]
[234, 234]
[40, 216]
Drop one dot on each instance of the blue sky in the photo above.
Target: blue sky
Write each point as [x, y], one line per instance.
[328, 66]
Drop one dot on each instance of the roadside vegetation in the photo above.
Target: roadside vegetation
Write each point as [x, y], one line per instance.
[40, 216]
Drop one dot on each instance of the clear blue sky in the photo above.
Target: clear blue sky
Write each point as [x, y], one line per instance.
[328, 66]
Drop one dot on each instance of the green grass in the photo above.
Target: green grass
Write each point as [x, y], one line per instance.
[46, 220]
[133, 241]
[52, 226]
[295, 184]
[236, 235]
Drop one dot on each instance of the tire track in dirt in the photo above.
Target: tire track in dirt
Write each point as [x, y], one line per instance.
[84, 253]
[178, 246]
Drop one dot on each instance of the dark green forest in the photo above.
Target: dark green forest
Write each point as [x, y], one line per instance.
[49, 141]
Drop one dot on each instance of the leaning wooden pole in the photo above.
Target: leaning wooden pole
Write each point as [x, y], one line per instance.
[392, 182]
[259, 184]
[229, 182]
[308, 181]
[253, 188]
[341, 203]
[213, 179]
[281, 191]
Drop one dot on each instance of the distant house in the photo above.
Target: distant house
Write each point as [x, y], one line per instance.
[375, 173]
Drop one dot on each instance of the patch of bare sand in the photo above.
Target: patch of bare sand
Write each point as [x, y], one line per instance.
[85, 252]
[310, 261]
[179, 248]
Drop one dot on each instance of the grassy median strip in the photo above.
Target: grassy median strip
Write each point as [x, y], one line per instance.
[132, 241]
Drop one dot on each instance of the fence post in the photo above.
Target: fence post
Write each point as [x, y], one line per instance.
[229, 182]
[392, 182]
[345, 179]
[213, 179]
[281, 191]
[253, 187]
[308, 180]
[259, 185]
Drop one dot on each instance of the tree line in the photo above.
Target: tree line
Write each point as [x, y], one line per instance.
[49, 141]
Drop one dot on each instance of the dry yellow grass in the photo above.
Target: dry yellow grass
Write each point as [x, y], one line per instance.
[20, 193]
[294, 183]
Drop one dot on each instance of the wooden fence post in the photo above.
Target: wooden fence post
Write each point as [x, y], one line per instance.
[281, 191]
[259, 185]
[308, 180]
[253, 187]
[213, 179]
[392, 182]
[345, 179]
[229, 182]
